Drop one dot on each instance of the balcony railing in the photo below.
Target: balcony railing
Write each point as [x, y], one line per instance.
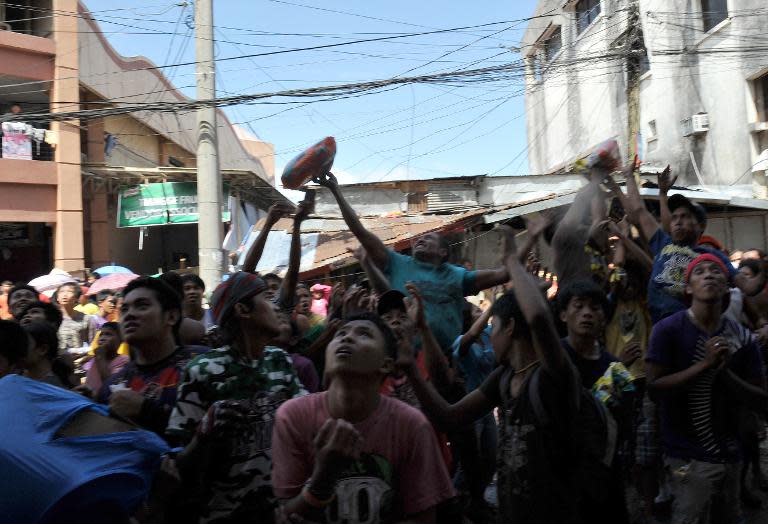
[24, 142]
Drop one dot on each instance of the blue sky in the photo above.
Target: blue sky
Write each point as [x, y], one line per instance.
[412, 132]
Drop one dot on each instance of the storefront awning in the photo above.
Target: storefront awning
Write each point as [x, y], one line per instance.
[247, 184]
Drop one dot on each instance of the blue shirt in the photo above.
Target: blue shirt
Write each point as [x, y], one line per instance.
[666, 287]
[442, 287]
[47, 478]
[479, 361]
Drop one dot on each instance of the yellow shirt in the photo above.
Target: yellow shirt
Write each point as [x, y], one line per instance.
[630, 323]
[121, 350]
[88, 309]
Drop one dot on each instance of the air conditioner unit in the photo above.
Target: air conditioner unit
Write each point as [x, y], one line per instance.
[695, 124]
[700, 123]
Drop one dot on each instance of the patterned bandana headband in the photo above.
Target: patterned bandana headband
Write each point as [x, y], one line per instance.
[238, 286]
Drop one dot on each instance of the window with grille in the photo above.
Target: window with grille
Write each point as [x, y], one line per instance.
[553, 44]
[713, 12]
[586, 13]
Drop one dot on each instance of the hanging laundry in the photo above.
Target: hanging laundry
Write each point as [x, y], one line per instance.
[51, 138]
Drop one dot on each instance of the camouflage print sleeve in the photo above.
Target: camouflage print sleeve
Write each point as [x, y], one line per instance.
[193, 400]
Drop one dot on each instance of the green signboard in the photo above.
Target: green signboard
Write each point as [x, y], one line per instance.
[162, 203]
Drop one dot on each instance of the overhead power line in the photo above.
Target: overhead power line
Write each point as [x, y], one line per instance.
[466, 76]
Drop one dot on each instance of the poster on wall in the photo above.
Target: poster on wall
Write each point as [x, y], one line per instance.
[162, 203]
[17, 146]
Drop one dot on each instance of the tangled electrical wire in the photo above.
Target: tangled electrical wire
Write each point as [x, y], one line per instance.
[474, 76]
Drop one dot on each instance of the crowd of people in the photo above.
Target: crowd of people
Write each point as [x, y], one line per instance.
[626, 383]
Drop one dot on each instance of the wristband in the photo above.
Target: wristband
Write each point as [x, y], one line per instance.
[315, 502]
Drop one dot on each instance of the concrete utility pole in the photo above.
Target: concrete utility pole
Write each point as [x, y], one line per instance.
[209, 227]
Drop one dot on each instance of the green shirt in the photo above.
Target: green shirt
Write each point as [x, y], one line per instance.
[240, 486]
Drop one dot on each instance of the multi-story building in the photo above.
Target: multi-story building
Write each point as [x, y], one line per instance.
[678, 82]
[58, 203]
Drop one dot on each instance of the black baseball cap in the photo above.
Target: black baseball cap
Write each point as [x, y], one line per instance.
[392, 299]
[698, 210]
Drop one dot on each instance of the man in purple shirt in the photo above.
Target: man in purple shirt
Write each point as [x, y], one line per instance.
[701, 367]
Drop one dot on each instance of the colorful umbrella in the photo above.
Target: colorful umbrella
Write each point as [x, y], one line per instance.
[115, 282]
[51, 281]
[109, 270]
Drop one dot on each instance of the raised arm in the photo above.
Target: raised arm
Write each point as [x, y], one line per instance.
[570, 259]
[434, 359]
[535, 226]
[288, 287]
[468, 338]
[488, 278]
[379, 283]
[276, 211]
[536, 311]
[578, 218]
[371, 243]
[665, 184]
[446, 417]
[635, 207]
[627, 246]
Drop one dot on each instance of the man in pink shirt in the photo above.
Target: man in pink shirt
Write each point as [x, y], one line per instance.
[350, 454]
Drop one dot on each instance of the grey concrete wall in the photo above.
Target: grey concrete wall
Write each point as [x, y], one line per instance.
[576, 106]
[705, 79]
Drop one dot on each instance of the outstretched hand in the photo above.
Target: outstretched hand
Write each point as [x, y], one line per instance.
[359, 252]
[336, 299]
[415, 306]
[357, 300]
[508, 243]
[278, 210]
[303, 211]
[629, 169]
[610, 183]
[326, 180]
[666, 180]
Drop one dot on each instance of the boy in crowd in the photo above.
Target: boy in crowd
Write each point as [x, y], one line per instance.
[19, 297]
[443, 286]
[194, 288]
[144, 391]
[106, 301]
[252, 379]
[39, 364]
[41, 312]
[77, 329]
[330, 448]
[583, 305]
[106, 362]
[536, 467]
[406, 318]
[701, 366]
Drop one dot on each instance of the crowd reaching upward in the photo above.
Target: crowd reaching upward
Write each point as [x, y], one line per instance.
[632, 380]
